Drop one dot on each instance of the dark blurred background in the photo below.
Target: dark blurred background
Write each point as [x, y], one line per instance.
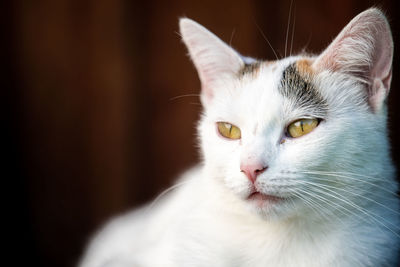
[92, 126]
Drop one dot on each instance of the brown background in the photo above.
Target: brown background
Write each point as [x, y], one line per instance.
[91, 129]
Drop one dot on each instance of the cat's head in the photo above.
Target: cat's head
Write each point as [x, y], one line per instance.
[299, 131]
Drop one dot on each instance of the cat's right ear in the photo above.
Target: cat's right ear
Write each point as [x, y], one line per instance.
[214, 60]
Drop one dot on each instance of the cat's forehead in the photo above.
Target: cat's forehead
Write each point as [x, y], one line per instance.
[291, 80]
[301, 67]
[268, 93]
[298, 84]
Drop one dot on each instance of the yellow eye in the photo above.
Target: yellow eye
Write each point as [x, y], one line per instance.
[302, 127]
[228, 130]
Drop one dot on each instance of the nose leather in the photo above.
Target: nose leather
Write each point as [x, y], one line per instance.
[252, 170]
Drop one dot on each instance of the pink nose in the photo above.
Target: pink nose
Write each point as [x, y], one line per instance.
[252, 170]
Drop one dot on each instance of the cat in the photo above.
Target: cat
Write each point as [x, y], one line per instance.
[296, 166]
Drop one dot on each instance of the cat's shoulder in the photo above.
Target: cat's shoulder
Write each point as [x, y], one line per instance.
[143, 225]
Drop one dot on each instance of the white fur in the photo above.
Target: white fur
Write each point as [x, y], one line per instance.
[339, 179]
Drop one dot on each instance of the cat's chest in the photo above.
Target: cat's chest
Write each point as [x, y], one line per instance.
[223, 244]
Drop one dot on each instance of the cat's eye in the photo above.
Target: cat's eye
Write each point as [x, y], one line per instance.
[229, 130]
[302, 127]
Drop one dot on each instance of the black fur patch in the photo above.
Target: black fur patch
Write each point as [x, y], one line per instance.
[301, 90]
[249, 69]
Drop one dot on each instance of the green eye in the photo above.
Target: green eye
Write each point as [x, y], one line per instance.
[228, 130]
[302, 127]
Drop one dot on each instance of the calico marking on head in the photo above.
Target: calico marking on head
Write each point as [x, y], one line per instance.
[297, 84]
[250, 69]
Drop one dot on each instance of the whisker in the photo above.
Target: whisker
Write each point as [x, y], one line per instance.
[340, 208]
[308, 42]
[311, 202]
[163, 193]
[339, 175]
[345, 200]
[288, 25]
[294, 27]
[232, 34]
[333, 205]
[373, 192]
[349, 173]
[362, 196]
[349, 211]
[181, 96]
[178, 33]
[315, 206]
[266, 39]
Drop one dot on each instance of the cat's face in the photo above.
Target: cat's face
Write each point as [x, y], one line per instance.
[264, 104]
[295, 134]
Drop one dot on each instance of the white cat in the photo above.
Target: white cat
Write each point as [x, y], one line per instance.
[296, 170]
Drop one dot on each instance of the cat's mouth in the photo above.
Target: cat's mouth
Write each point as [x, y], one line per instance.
[261, 198]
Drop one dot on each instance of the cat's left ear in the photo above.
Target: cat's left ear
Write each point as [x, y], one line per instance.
[214, 60]
[364, 49]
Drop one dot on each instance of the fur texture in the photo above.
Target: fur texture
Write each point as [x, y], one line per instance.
[327, 198]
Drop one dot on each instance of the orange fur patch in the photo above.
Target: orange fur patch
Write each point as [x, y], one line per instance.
[304, 68]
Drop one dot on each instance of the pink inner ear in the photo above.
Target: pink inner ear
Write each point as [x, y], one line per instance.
[383, 54]
[380, 72]
[387, 80]
[364, 49]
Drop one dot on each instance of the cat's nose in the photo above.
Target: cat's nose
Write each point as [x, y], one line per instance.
[252, 170]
